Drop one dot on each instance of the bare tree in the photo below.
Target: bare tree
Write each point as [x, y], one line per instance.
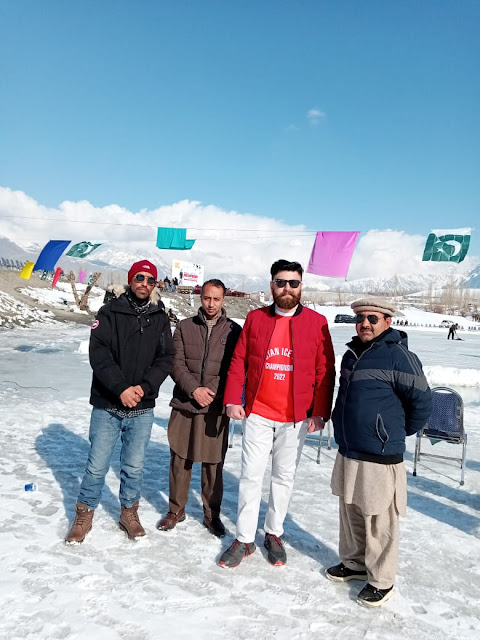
[82, 303]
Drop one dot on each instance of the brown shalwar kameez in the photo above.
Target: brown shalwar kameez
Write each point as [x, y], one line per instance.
[372, 497]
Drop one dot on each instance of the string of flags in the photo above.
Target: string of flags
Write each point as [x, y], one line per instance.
[331, 253]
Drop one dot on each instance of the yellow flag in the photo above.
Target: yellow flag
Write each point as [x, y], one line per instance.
[26, 272]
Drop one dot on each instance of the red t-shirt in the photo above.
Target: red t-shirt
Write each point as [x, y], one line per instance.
[274, 399]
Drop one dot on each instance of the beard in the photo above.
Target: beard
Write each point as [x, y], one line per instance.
[286, 300]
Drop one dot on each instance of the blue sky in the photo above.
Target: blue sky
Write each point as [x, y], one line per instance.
[144, 104]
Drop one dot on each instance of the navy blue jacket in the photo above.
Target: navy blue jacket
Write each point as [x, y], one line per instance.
[383, 397]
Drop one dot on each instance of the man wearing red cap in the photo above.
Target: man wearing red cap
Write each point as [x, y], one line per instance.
[131, 353]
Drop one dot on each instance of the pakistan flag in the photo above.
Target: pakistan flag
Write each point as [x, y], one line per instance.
[447, 245]
[82, 249]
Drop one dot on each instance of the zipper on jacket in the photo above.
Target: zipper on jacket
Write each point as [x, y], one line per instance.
[264, 359]
[346, 391]
[205, 352]
[293, 372]
[207, 349]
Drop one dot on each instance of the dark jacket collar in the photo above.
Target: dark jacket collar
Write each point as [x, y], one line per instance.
[200, 317]
[122, 305]
[390, 335]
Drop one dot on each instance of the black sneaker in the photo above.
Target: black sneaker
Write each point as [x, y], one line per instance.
[341, 573]
[372, 597]
[276, 552]
[232, 557]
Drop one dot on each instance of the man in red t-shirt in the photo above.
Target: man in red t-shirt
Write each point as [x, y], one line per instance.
[287, 351]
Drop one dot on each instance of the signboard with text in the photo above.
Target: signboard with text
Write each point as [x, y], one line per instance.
[187, 273]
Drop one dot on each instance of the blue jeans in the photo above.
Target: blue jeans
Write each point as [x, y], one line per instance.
[105, 428]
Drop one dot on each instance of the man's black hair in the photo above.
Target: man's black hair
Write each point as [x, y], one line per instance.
[285, 265]
[215, 283]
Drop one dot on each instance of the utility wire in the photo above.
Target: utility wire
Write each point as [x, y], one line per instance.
[287, 232]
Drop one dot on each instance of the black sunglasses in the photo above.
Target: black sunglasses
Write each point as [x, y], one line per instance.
[280, 282]
[140, 278]
[359, 318]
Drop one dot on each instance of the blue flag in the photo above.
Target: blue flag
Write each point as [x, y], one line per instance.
[50, 253]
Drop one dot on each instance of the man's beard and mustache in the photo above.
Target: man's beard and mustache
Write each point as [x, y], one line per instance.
[286, 300]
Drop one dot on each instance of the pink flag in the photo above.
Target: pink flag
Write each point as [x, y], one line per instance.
[81, 277]
[58, 273]
[332, 252]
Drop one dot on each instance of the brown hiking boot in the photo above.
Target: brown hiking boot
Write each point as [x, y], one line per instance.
[130, 522]
[81, 525]
[171, 520]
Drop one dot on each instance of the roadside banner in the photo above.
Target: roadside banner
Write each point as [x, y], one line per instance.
[187, 273]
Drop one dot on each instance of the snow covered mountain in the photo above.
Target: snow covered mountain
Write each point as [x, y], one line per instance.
[410, 282]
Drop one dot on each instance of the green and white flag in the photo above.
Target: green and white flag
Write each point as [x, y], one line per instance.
[82, 249]
[447, 245]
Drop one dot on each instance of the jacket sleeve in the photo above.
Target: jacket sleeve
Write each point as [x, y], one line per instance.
[181, 374]
[162, 361]
[219, 381]
[412, 388]
[105, 369]
[324, 374]
[238, 368]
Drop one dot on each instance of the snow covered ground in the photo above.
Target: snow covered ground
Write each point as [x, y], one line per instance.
[168, 584]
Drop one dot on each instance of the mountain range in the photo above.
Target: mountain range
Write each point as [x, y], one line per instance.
[116, 261]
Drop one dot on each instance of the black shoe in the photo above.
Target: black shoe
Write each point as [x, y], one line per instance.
[276, 552]
[372, 597]
[215, 526]
[341, 573]
[232, 557]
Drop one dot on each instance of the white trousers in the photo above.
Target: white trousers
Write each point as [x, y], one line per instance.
[285, 440]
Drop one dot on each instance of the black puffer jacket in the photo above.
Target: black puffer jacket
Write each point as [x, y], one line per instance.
[200, 362]
[126, 349]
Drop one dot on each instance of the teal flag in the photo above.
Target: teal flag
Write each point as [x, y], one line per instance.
[170, 238]
[447, 245]
[82, 249]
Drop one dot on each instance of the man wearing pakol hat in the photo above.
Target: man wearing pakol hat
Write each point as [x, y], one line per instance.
[131, 353]
[383, 397]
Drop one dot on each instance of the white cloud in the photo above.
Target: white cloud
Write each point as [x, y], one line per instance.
[227, 241]
[292, 128]
[388, 252]
[315, 115]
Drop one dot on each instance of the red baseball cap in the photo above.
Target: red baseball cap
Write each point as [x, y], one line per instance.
[142, 265]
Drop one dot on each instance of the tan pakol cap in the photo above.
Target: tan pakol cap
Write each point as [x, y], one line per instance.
[374, 304]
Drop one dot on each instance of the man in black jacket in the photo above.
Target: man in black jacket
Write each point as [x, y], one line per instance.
[131, 353]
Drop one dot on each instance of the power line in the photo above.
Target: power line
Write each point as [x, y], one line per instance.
[287, 232]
